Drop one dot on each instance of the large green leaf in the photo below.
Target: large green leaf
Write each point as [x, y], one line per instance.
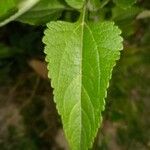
[80, 60]
[75, 3]
[43, 12]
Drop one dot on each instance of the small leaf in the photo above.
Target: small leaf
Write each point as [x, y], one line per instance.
[78, 4]
[43, 12]
[125, 3]
[80, 60]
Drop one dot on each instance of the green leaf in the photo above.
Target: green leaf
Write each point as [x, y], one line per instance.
[125, 19]
[125, 14]
[7, 8]
[125, 3]
[6, 5]
[78, 4]
[80, 60]
[20, 7]
[43, 12]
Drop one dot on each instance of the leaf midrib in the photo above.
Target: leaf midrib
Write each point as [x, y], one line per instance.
[82, 34]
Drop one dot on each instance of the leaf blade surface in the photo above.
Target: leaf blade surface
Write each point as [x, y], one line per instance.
[125, 3]
[76, 3]
[43, 12]
[80, 60]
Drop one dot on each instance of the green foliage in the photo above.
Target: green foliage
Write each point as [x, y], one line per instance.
[43, 12]
[76, 3]
[80, 56]
[124, 19]
[7, 8]
[125, 3]
[80, 59]
[19, 7]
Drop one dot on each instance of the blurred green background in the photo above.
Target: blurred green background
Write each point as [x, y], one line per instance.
[28, 117]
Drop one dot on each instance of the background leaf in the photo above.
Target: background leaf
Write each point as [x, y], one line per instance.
[125, 19]
[7, 8]
[19, 8]
[80, 59]
[125, 3]
[43, 12]
[78, 4]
